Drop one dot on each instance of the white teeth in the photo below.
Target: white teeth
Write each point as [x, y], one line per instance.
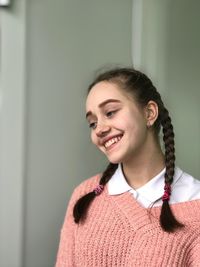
[112, 141]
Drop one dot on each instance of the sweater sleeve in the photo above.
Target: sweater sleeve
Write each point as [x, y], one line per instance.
[66, 251]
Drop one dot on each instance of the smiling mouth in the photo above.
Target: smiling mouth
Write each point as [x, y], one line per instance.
[112, 141]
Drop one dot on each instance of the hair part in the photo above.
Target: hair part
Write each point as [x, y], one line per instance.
[142, 89]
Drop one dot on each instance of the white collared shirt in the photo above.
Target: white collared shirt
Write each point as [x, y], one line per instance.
[184, 188]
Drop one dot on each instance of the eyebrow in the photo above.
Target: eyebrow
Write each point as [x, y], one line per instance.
[89, 113]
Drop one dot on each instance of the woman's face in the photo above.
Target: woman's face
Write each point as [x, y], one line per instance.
[118, 124]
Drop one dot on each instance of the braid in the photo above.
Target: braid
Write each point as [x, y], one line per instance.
[83, 203]
[167, 219]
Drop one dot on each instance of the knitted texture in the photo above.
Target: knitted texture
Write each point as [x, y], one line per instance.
[118, 232]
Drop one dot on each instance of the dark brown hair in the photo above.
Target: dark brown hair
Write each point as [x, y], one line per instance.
[142, 89]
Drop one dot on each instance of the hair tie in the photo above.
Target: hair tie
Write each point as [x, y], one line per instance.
[167, 192]
[98, 189]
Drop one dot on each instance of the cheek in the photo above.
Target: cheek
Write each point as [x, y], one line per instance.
[135, 125]
[127, 122]
[93, 138]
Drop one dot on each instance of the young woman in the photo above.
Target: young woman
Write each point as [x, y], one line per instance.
[142, 210]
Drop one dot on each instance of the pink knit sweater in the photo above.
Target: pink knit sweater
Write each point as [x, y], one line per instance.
[119, 232]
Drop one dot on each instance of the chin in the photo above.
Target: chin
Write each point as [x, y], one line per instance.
[115, 160]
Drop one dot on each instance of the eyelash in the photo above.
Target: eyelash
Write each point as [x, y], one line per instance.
[109, 114]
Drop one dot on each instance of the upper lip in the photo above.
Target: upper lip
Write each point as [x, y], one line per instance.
[104, 140]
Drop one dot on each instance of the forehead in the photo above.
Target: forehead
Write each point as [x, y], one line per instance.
[103, 91]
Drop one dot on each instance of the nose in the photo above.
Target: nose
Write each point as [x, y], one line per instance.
[102, 130]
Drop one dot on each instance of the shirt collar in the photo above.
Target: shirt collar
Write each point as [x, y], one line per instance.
[152, 190]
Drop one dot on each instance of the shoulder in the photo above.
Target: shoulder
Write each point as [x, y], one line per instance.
[82, 189]
[190, 178]
[86, 186]
[187, 186]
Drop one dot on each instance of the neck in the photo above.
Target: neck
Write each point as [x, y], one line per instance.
[140, 169]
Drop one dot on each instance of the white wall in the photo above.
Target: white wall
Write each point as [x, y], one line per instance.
[150, 29]
[183, 64]
[12, 112]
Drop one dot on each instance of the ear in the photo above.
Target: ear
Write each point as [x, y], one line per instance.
[151, 113]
